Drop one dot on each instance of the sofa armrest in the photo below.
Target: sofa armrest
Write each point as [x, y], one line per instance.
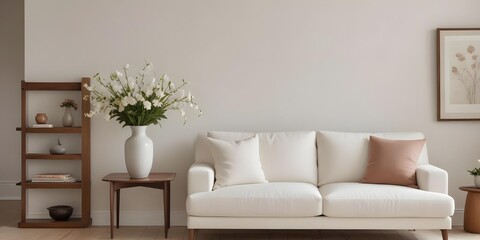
[432, 179]
[201, 177]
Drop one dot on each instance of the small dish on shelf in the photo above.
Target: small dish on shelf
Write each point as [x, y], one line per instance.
[60, 212]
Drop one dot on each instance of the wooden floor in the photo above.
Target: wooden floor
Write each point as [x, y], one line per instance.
[181, 233]
[9, 216]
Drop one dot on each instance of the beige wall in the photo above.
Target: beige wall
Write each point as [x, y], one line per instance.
[342, 65]
[11, 73]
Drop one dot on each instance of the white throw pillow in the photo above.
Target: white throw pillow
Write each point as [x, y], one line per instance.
[236, 162]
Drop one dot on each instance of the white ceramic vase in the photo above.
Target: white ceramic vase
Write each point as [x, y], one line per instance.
[138, 153]
[67, 120]
[476, 180]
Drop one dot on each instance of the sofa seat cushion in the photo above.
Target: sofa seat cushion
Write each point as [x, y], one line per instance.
[380, 200]
[258, 200]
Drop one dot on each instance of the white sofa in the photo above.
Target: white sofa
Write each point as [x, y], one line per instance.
[314, 183]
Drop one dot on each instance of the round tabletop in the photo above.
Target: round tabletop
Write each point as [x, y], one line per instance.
[152, 177]
[470, 189]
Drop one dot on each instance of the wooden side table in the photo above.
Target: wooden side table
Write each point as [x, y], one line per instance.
[154, 180]
[471, 221]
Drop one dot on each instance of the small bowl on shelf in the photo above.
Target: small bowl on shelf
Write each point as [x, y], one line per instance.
[60, 212]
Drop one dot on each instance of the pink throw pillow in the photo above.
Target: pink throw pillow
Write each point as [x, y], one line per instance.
[393, 161]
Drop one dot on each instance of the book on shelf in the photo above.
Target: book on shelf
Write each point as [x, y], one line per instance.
[52, 175]
[69, 179]
[46, 125]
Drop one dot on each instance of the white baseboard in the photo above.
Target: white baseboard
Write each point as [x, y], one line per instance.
[457, 219]
[140, 218]
[9, 190]
[46, 216]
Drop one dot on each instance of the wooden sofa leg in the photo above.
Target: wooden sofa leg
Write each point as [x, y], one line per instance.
[193, 232]
[444, 234]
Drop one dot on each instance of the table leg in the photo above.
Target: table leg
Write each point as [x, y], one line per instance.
[112, 195]
[118, 208]
[166, 206]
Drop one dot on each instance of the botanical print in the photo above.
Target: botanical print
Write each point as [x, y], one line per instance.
[465, 73]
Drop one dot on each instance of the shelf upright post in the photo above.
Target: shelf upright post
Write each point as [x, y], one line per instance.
[86, 153]
[24, 155]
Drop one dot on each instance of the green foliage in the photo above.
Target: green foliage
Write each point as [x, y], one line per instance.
[474, 172]
[69, 103]
[136, 115]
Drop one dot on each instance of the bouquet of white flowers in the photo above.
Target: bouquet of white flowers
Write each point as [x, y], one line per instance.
[140, 100]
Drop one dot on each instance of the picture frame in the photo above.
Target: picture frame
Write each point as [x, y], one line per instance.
[458, 74]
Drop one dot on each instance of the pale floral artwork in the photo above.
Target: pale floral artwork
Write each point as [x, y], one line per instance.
[465, 74]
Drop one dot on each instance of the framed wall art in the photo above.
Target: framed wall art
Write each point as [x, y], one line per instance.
[458, 71]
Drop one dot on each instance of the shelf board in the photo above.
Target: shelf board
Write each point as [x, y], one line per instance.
[54, 185]
[50, 223]
[53, 86]
[54, 157]
[53, 130]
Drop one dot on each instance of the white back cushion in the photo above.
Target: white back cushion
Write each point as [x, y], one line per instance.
[343, 157]
[285, 156]
[289, 156]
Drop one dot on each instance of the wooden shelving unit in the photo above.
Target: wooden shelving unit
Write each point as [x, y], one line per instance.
[84, 131]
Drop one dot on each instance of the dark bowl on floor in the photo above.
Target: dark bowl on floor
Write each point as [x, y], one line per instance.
[60, 212]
